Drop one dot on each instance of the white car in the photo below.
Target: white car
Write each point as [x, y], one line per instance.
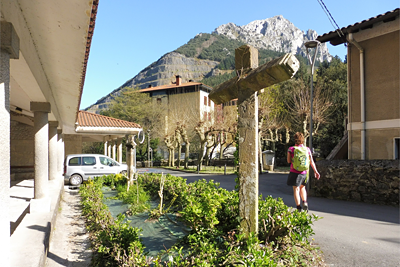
[79, 167]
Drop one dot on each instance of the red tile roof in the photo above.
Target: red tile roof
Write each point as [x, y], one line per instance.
[88, 119]
[169, 86]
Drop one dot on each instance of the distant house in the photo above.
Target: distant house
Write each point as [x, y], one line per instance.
[373, 85]
[191, 97]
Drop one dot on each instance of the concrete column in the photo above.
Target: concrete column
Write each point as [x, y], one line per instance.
[41, 201]
[9, 49]
[114, 149]
[53, 150]
[109, 144]
[119, 145]
[105, 146]
[60, 149]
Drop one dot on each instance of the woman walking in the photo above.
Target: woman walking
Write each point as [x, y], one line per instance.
[299, 156]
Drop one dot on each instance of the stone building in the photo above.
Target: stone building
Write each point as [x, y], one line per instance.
[373, 85]
[183, 102]
[179, 98]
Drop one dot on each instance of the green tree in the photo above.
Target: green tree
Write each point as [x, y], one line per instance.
[286, 107]
[93, 147]
[332, 77]
[133, 106]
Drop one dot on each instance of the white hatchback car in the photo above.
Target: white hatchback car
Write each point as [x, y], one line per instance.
[79, 167]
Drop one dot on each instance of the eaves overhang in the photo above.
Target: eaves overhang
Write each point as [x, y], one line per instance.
[339, 36]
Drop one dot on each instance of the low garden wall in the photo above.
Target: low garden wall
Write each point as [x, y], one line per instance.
[370, 181]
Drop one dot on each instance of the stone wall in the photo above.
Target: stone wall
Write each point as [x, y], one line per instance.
[73, 144]
[21, 144]
[370, 181]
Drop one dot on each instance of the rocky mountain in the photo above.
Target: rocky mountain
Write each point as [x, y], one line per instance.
[210, 55]
[276, 33]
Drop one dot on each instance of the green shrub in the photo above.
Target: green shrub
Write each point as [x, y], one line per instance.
[115, 241]
[276, 221]
[173, 186]
[213, 215]
[137, 204]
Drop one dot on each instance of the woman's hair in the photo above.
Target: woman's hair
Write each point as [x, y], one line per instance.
[298, 138]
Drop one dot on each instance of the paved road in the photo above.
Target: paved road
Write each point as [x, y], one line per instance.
[350, 233]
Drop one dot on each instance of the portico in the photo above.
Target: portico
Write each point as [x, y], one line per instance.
[43, 56]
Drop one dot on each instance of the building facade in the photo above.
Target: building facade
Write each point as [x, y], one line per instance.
[373, 85]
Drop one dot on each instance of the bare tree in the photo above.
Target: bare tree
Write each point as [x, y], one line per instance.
[171, 145]
[300, 109]
[203, 129]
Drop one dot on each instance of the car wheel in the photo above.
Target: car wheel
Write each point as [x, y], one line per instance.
[124, 173]
[75, 179]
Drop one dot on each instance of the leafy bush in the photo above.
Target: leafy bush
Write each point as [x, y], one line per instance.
[115, 241]
[138, 203]
[213, 215]
[173, 186]
[202, 202]
[277, 221]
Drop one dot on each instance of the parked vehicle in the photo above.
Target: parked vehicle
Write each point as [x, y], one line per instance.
[79, 167]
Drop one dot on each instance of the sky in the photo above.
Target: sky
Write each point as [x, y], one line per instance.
[129, 35]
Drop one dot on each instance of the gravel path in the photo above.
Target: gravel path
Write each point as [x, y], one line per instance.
[69, 245]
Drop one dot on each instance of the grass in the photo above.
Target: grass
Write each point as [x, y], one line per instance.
[220, 169]
[205, 169]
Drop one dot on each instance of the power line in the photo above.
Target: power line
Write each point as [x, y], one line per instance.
[331, 19]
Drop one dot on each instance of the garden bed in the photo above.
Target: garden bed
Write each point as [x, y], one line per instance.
[198, 225]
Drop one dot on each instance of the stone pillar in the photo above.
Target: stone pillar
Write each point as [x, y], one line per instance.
[105, 145]
[130, 157]
[9, 49]
[119, 145]
[114, 149]
[109, 145]
[53, 150]
[60, 145]
[41, 201]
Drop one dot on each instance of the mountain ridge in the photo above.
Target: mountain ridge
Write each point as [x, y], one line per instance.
[209, 55]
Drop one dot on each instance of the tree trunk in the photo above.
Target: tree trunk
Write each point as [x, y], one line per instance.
[170, 157]
[179, 155]
[173, 158]
[201, 154]
[187, 155]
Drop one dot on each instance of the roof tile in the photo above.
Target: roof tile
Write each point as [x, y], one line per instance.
[88, 119]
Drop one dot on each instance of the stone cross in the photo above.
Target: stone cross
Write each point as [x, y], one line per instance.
[251, 79]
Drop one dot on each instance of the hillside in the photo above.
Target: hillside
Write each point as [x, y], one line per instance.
[209, 57]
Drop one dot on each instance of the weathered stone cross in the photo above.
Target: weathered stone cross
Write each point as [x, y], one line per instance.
[251, 79]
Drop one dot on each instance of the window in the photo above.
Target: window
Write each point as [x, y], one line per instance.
[159, 101]
[88, 161]
[209, 102]
[205, 101]
[108, 162]
[396, 148]
[74, 161]
[104, 161]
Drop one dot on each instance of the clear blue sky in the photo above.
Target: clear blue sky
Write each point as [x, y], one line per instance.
[130, 35]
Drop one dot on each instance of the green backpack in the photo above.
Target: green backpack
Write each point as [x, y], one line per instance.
[300, 160]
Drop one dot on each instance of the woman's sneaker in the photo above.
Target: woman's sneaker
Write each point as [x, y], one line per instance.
[305, 207]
